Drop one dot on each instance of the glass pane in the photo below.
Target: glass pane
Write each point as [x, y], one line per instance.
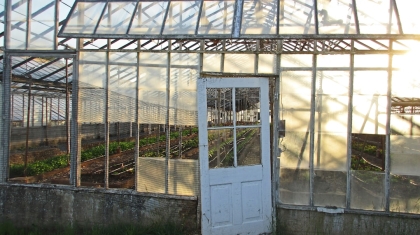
[367, 190]
[42, 26]
[248, 146]
[294, 186]
[221, 152]
[377, 21]
[92, 103]
[405, 151]
[409, 16]
[122, 96]
[116, 18]
[259, 17]
[84, 18]
[149, 18]
[247, 102]
[216, 17]
[404, 194]
[92, 78]
[151, 174]
[239, 63]
[267, 63]
[297, 17]
[295, 109]
[330, 188]
[333, 61]
[182, 17]
[296, 60]
[211, 62]
[18, 25]
[152, 87]
[184, 75]
[296, 92]
[219, 107]
[336, 17]
[369, 102]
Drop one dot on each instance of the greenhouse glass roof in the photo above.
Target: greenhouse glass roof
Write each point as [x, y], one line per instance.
[242, 19]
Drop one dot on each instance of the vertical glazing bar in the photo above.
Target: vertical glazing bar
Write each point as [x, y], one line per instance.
[33, 111]
[257, 56]
[137, 142]
[164, 18]
[316, 17]
[388, 28]
[278, 21]
[237, 18]
[42, 111]
[56, 22]
[312, 128]
[5, 117]
[107, 77]
[167, 127]
[276, 151]
[235, 158]
[199, 16]
[8, 27]
[28, 24]
[397, 15]
[28, 115]
[350, 125]
[356, 17]
[102, 15]
[132, 16]
[388, 128]
[200, 68]
[75, 128]
[222, 59]
[67, 108]
[67, 19]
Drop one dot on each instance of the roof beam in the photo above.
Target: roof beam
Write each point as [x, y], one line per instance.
[27, 80]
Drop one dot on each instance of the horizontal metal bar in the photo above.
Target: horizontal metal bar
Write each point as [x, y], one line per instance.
[344, 52]
[251, 36]
[245, 75]
[43, 53]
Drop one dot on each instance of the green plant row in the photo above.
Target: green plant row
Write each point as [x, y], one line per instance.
[361, 165]
[61, 161]
[366, 148]
[186, 144]
[39, 167]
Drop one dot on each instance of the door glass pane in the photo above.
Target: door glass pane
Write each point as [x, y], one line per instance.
[219, 107]
[247, 106]
[248, 146]
[221, 152]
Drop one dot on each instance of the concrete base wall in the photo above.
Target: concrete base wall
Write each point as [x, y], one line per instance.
[63, 205]
[298, 222]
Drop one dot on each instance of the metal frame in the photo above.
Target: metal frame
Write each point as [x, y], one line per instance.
[236, 26]
[234, 43]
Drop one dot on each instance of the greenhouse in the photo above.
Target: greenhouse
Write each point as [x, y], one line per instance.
[233, 116]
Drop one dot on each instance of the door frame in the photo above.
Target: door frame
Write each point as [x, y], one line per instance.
[203, 141]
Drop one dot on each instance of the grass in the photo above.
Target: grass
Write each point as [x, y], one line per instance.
[157, 228]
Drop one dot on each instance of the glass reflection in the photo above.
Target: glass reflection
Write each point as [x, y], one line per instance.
[219, 107]
[247, 103]
[248, 146]
[221, 148]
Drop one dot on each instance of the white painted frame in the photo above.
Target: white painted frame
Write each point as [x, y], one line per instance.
[205, 179]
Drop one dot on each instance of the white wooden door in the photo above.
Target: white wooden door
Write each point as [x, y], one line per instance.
[234, 155]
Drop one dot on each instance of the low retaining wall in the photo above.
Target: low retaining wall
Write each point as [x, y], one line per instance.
[292, 221]
[64, 205]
